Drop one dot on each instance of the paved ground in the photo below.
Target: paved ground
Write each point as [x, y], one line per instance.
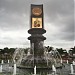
[64, 71]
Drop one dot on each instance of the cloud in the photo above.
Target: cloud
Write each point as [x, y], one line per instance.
[58, 22]
[14, 38]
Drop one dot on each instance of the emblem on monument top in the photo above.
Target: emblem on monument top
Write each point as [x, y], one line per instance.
[37, 11]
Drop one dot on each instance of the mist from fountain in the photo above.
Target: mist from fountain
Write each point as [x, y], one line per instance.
[61, 61]
[73, 62]
[28, 59]
[18, 55]
[67, 61]
[8, 61]
[2, 62]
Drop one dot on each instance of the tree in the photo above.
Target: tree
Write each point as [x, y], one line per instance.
[73, 49]
[11, 50]
[60, 50]
[0, 51]
[50, 48]
[6, 50]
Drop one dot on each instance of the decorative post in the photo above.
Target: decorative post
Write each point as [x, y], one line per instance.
[35, 70]
[14, 70]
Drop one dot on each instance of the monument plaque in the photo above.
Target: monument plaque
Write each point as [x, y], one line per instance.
[36, 22]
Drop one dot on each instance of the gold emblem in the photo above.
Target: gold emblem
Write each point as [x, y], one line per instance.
[36, 22]
[36, 11]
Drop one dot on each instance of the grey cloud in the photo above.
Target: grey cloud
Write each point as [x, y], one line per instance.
[61, 13]
[15, 16]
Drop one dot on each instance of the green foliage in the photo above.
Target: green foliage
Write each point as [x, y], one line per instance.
[73, 49]
[49, 48]
[60, 50]
[26, 50]
[7, 50]
[11, 50]
[6, 53]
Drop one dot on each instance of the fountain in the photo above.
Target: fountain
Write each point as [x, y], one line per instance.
[37, 57]
[38, 54]
[18, 55]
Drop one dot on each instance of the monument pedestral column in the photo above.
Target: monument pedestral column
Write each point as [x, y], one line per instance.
[37, 45]
[37, 30]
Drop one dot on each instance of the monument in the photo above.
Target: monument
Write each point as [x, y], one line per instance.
[37, 56]
[37, 30]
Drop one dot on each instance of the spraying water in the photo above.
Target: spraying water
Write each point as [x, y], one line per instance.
[61, 61]
[27, 58]
[73, 62]
[72, 71]
[67, 61]
[8, 61]
[2, 62]
[35, 70]
[54, 69]
[1, 68]
[14, 70]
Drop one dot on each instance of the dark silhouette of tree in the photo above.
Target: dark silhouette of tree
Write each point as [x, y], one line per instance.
[11, 50]
[60, 50]
[6, 50]
[73, 49]
[50, 48]
[26, 50]
[0, 51]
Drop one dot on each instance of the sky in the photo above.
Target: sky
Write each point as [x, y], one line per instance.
[58, 23]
